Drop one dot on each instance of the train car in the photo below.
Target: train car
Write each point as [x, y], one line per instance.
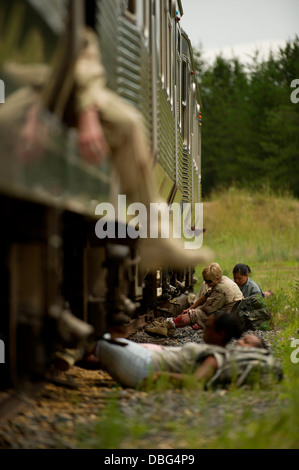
[51, 259]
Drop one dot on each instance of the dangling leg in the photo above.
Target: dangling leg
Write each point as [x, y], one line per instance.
[126, 138]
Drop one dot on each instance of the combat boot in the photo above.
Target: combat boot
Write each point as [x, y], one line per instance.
[66, 359]
[161, 328]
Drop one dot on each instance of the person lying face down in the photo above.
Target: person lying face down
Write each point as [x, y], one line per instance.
[251, 341]
[131, 364]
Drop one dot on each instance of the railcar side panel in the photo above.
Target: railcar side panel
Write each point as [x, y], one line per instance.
[50, 254]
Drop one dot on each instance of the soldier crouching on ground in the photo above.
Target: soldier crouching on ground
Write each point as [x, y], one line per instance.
[217, 292]
[247, 286]
[253, 309]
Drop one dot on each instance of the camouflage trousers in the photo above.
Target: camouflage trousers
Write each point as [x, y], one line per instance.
[199, 317]
[183, 302]
[252, 311]
[180, 304]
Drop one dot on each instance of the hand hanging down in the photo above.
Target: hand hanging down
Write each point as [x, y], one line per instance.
[92, 144]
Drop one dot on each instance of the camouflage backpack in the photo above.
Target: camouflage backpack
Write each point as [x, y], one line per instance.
[247, 366]
[252, 311]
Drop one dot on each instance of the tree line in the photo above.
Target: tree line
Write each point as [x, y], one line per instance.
[250, 120]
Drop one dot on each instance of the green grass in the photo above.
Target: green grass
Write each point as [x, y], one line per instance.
[261, 230]
[256, 228]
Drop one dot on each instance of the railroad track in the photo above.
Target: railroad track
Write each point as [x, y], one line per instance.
[13, 402]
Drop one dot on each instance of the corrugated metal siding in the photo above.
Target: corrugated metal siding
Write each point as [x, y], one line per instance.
[166, 134]
[186, 177]
[107, 29]
[126, 59]
[146, 94]
[196, 186]
[180, 162]
[128, 65]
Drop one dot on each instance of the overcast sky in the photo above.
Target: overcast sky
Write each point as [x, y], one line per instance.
[239, 27]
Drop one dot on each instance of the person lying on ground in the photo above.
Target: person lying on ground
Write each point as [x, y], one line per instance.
[134, 364]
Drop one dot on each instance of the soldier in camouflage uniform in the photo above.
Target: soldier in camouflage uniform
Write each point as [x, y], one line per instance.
[248, 363]
[246, 284]
[217, 292]
[213, 362]
[220, 294]
[253, 308]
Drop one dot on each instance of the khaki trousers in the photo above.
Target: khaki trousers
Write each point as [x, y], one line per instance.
[125, 134]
